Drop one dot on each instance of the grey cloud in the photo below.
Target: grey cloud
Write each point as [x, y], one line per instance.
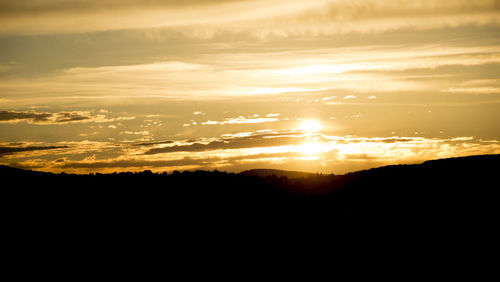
[34, 117]
[261, 140]
[53, 118]
[6, 116]
[133, 163]
[154, 143]
[396, 140]
[70, 117]
[254, 141]
[8, 150]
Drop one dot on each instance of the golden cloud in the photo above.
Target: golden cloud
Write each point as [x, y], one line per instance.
[284, 150]
[260, 17]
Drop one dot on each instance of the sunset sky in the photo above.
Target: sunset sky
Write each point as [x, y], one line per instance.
[325, 86]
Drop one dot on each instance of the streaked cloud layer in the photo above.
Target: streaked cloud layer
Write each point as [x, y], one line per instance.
[262, 18]
[110, 85]
[307, 151]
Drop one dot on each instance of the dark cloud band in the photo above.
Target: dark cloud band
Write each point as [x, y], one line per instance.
[12, 150]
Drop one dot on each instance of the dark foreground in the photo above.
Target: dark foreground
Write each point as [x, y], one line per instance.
[442, 208]
[448, 189]
[457, 196]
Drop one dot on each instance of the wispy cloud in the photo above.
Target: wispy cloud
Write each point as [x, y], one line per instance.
[230, 75]
[350, 97]
[243, 120]
[145, 133]
[477, 86]
[261, 17]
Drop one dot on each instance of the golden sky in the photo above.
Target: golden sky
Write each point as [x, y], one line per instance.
[323, 86]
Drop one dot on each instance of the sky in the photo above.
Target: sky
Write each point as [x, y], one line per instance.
[328, 86]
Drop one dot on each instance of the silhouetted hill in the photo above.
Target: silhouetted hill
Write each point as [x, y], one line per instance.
[10, 172]
[276, 172]
[433, 195]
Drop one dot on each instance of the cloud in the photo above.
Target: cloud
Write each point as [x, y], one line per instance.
[230, 74]
[242, 120]
[129, 163]
[475, 90]
[462, 138]
[30, 149]
[375, 16]
[12, 116]
[136, 132]
[249, 140]
[50, 6]
[282, 150]
[55, 118]
[60, 16]
[233, 142]
[46, 118]
[10, 150]
[478, 86]
[260, 17]
[181, 163]
[154, 143]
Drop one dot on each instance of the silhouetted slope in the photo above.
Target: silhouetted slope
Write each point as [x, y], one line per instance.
[276, 172]
[11, 172]
[435, 193]
[440, 191]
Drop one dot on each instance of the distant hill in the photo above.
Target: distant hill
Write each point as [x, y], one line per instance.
[276, 172]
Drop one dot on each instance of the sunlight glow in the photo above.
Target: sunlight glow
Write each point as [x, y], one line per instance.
[313, 148]
[315, 69]
[310, 125]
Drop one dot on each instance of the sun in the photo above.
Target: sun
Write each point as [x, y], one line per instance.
[310, 125]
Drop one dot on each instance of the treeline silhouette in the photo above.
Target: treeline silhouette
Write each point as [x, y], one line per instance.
[433, 194]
